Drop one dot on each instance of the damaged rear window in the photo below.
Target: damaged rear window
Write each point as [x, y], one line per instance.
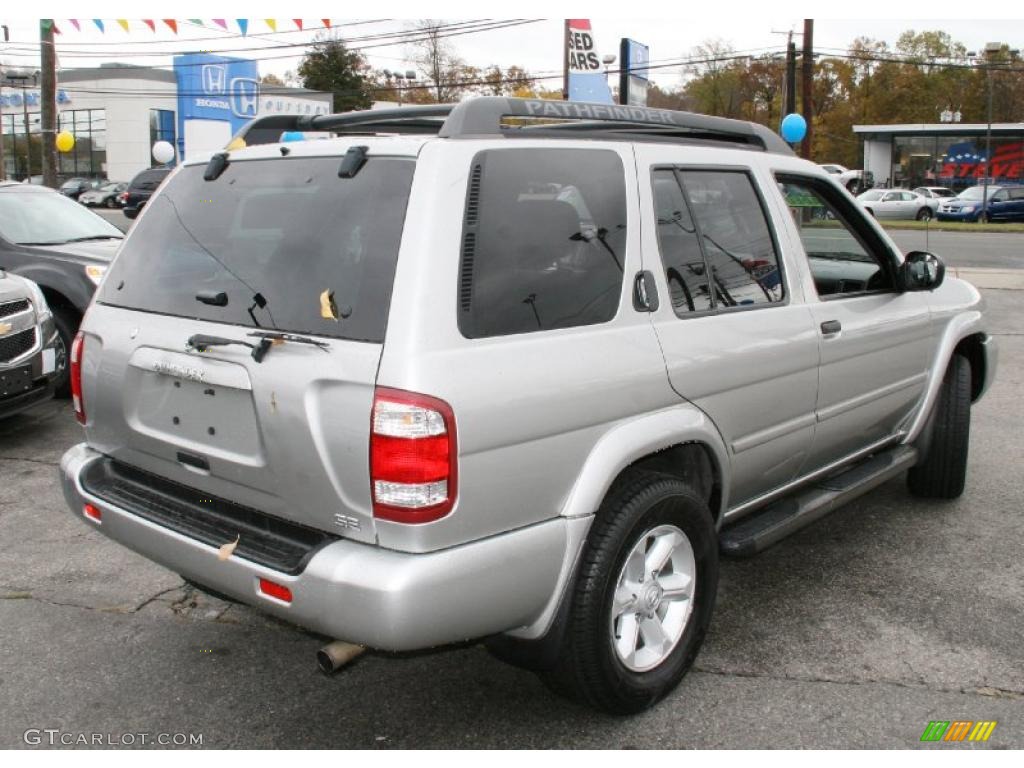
[287, 243]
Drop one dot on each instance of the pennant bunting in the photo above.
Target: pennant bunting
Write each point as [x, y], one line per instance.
[99, 24]
[243, 25]
[298, 23]
[56, 30]
[173, 24]
[272, 23]
[76, 25]
[197, 22]
[327, 23]
[222, 23]
[150, 23]
[123, 23]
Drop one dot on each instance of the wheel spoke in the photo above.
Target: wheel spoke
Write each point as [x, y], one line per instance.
[676, 586]
[624, 597]
[653, 634]
[659, 554]
[625, 644]
[634, 568]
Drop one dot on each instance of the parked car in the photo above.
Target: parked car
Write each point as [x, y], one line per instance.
[31, 356]
[1005, 203]
[518, 384]
[897, 204]
[141, 188]
[938, 194]
[855, 181]
[107, 196]
[63, 247]
[73, 188]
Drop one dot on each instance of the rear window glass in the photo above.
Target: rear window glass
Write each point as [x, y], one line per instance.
[149, 179]
[276, 237]
[544, 239]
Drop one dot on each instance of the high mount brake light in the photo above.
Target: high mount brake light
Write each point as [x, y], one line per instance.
[413, 457]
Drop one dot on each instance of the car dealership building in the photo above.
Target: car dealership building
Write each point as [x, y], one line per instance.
[117, 112]
[942, 154]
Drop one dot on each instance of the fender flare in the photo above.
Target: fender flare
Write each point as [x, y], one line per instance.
[957, 329]
[621, 446]
[55, 278]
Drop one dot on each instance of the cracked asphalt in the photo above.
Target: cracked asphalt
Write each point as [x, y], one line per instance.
[854, 633]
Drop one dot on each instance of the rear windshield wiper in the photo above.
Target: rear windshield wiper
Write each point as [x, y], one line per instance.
[200, 342]
[94, 237]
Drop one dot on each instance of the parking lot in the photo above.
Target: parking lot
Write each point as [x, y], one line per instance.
[855, 633]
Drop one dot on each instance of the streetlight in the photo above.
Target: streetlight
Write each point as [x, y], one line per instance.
[991, 50]
[409, 75]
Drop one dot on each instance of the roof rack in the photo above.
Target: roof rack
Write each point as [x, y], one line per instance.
[487, 116]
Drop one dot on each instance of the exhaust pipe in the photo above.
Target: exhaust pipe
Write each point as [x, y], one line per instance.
[336, 655]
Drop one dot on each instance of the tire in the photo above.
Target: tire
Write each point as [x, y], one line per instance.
[66, 320]
[941, 474]
[111, 202]
[589, 667]
[925, 214]
[984, 218]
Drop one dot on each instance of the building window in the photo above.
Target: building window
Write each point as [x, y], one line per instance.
[88, 158]
[161, 128]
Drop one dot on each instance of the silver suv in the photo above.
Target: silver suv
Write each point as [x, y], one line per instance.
[516, 370]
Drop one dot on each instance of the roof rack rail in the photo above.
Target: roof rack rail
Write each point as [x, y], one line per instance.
[486, 116]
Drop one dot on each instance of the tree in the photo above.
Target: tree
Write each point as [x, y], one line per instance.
[436, 60]
[271, 79]
[330, 66]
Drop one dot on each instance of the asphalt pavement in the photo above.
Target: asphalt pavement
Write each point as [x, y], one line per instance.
[857, 632]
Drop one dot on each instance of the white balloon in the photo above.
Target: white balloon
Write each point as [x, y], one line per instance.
[163, 152]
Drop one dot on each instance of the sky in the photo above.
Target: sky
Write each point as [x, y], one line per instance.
[534, 46]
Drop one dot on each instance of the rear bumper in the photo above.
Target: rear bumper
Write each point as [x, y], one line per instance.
[363, 594]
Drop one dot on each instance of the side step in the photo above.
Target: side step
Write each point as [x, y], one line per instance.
[786, 516]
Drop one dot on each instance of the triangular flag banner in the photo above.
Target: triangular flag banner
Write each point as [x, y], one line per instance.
[272, 23]
[99, 24]
[150, 23]
[173, 24]
[298, 23]
[76, 25]
[327, 23]
[243, 24]
[222, 23]
[123, 23]
[198, 22]
[56, 31]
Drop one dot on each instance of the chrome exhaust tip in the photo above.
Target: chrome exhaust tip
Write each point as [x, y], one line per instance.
[336, 655]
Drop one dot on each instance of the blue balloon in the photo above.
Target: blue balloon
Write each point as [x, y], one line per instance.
[793, 128]
[292, 136]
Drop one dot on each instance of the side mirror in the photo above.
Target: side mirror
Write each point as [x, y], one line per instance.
[921, 271]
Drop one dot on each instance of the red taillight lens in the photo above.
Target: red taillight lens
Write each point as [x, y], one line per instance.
[77, 348]
[275, 590]
[413, 458]
[92, 512]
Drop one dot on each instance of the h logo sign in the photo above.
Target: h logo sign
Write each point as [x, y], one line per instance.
[214, 76]
[245, 97]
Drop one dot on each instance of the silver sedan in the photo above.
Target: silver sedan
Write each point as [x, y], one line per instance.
[897, 204]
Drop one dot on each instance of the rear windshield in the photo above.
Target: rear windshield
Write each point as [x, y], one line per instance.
[292, 247]
[149, 179]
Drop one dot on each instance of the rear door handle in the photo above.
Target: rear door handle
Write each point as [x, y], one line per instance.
[830, 327]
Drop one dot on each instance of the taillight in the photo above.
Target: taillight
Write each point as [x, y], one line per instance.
[77, 348]
[413, 457]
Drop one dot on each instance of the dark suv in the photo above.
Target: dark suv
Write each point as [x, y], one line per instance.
[141, 189]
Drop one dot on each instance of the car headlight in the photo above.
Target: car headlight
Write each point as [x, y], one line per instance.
[39, 301]
[967, 209]
[95, 272]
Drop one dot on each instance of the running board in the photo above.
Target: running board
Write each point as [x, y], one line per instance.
[787, 516]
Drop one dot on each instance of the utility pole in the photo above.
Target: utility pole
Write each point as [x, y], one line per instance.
[808, 87]
[790, 105]
[48, 103]
[565, 61]
[3, 163]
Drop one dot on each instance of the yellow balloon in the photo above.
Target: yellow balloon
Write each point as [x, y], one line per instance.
[65, 141]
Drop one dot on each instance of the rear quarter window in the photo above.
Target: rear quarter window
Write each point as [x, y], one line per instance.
[543, 242]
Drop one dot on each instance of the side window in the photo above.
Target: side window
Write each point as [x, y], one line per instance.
[1017, 193]
[543, 242]
[1000, 196]
[717, 249]
[842, 258]
[679, 244]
